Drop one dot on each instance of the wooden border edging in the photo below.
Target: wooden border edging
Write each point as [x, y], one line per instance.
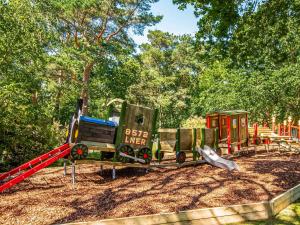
[284, 200]
[213, 216]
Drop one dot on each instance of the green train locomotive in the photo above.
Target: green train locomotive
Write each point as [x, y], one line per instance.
[127, 137]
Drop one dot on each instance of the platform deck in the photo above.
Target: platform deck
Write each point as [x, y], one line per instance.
[139, 165]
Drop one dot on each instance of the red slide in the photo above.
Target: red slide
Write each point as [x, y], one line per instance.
[20, 173]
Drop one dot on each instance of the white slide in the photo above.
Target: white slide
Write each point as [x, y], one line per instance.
[212, 158]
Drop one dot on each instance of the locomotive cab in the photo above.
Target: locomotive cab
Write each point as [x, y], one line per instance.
[124, 137]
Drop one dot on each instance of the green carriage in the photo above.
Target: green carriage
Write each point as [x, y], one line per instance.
[182, 141]
[127, 137]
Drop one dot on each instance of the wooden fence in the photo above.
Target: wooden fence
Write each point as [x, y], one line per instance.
[213, 216]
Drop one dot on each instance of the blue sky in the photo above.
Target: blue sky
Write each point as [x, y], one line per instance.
[174, 20]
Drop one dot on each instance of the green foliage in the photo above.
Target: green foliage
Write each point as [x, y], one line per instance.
[267, 38]
[218, 19]
[168, 69]
[194, 122]
[262, 93]
[26, 128]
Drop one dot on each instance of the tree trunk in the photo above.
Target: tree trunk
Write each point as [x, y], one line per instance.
[34, 97]
[85, 88]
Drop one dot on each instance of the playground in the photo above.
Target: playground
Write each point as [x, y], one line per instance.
[48, 197]
[149, 112]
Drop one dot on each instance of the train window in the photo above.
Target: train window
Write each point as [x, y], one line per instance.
[139, 119]
[234, 123]
[243, 122]
[214, 123]
[223, 121]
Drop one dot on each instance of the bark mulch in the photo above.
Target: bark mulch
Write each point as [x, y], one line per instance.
[49, 198]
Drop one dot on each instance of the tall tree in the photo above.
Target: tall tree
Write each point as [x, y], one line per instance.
[91, 30]
[218, 19]
[269, 37]
[253, 33]
[169, 66]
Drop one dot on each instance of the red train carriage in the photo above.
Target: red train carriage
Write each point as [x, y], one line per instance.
[233, 127]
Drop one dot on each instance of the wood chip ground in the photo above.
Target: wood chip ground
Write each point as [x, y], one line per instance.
[49, 198]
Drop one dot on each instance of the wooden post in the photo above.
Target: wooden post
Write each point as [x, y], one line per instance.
[159, 149]
[229, 134]
[279, 129]
[255, 127]
[101, 170]
[73, 173]
[247, 130]
[289, 126]
[239, 135]
[65, 167]
[177, 146]
[284, 127]
[298, 130]
[114, 173]
[216, 142]
[194, 144]
[208, 121]
[202, 138]
[154, 126]
[273, 124]
[220, 127]
[121, 123]
[290, 129]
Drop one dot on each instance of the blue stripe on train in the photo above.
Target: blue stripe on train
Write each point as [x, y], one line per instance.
[98, 121]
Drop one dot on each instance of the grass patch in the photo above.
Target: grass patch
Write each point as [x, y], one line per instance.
[288, 216]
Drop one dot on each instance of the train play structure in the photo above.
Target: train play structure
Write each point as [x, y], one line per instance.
[130, 137]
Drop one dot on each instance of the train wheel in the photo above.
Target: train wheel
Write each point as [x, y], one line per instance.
[145, 154]
[159, 155]
[79, 151]
[180, 157]
[127, 150]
